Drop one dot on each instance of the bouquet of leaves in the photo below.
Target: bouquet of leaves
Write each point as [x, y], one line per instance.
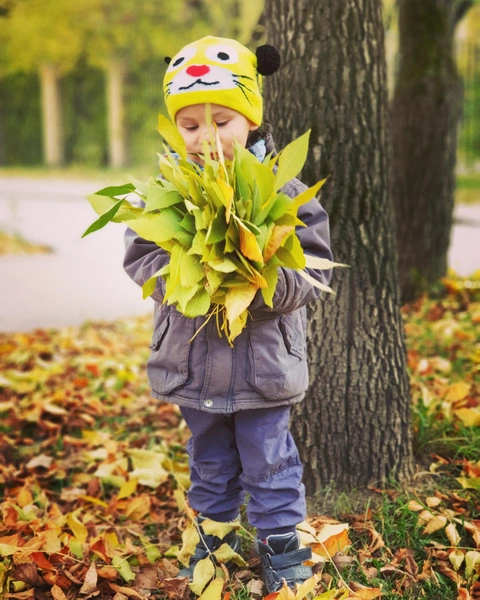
[225, 225]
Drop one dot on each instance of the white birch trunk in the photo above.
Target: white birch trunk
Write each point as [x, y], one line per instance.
[116, 113]
[51, 115]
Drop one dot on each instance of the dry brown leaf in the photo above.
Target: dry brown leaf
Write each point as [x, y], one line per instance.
[415, 506]
[452, 534]
[58, 593]
[435, 524]
[433, 501]
[91, 579]
[130, 592]
[364, 592]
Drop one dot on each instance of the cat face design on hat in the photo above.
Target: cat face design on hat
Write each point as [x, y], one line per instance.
[214, 70]
[212, 67]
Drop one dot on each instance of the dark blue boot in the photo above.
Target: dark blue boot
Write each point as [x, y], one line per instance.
[282, 558]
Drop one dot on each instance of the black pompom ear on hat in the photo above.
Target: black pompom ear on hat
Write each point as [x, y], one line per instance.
[268, 60]
[168, 59]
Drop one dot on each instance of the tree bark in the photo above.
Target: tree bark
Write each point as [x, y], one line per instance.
[353, 427]
[426, 112]
[116, 113]
[51, 115]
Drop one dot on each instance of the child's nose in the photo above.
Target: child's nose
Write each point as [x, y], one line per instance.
[198, 70]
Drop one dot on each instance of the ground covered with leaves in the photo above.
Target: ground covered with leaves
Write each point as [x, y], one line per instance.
[93, 474]
[14, 243]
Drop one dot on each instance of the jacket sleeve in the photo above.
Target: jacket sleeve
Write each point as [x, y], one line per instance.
[292, 290]
[143, 258]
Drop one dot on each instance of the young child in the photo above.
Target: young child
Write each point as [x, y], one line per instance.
[236, 401]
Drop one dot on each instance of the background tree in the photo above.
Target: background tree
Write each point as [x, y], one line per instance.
[353, 427]
[426, 112]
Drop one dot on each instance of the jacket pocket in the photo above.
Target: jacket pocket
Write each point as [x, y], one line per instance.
[277, 364]
[167, 366]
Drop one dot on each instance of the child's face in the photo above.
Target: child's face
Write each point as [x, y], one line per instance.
[193, 127]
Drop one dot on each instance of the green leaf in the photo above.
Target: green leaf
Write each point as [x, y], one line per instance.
[171, 135]
[160, 197]
[271, 275]
[104, 219]
[198, 305]
[183, 295]
[157, 227]
[149, 286]
[191, 270]
[116, 190]
[123, 568]
[218, 227]
[224, 266]
[291, 160]
[280, 207]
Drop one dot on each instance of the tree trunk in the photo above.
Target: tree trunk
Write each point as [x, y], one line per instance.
[426, 111]
[116, 113]
[353, 427]
[51, 115]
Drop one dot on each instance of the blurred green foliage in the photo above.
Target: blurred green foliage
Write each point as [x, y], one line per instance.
[80, 38]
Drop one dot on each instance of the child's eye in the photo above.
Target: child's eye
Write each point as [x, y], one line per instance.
[222, 124]
[191, 127]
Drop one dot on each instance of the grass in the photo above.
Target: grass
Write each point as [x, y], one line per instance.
[468, 189]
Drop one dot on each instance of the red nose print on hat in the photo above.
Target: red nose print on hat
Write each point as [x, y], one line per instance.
[198, 70]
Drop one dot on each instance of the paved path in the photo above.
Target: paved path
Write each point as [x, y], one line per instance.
[84, 279]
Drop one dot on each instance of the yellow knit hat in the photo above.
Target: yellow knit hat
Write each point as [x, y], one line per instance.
[219, 71]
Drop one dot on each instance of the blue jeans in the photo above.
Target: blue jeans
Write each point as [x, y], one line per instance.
[248, 451]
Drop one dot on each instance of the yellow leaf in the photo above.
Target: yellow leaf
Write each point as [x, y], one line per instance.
[213, 591]
[226, 553]
[306, 587]
[457, 391]
[456, 557]
[78, 528]
[24, 497]
[472, 562]
[203, 572]
[285, 593]
[219, 529]
[179, 496]
[127, 489]
[237, 300]
[432, 501]
[190, 540]
[276, 239]
[425, 516]
[470, 417]
[452, 534]
[248, 243]
[137, 508]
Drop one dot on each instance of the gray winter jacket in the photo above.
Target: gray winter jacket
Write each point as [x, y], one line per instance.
[267, 365]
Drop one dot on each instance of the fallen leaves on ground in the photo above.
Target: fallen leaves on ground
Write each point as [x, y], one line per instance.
[93, 475]
[12, 243]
